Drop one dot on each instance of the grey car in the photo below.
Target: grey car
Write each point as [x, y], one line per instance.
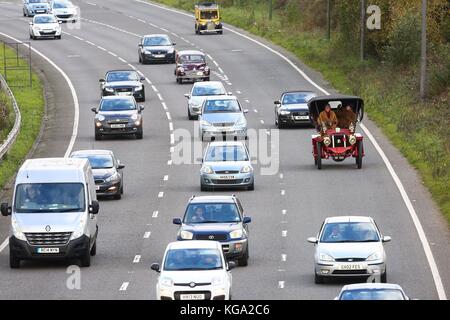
[107, 171]
[199, 92]
[372, 291]
[118, 115]
[226, 164]
[156, 48]
[292, 108]
[349, 246]
[33, 7]
[222, 117]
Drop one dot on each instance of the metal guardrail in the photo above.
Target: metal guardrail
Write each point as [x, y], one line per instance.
[6, 145]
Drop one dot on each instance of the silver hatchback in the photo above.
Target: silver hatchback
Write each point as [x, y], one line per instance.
[349, 246]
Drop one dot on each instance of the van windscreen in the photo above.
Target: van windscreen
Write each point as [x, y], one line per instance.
[49, 197]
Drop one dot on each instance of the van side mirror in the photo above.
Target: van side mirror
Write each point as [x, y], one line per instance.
[174, 44]
[187, 95]
[312, 240]
[94, 207]
[94, 109]
[176, 221]
[140, 45]
[6, 209]
[247, 220]
[141, 108]
[386, 238]
[142, 78]
[231, 265]
[245, 111]
[155, 267]
[120, 166]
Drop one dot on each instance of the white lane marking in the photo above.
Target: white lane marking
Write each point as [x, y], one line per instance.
[172, 138]
[89, 42]
[74, 56]
[280, 284]
[154, 89]
[168, 116]
[262, 121]
[172, 149]
[101, 48]
[284, 233]
[238, 91]
[161, 194]
[164, 29]
[124, 286]
[4, 244]
[214, 61]
[255, 110]
[166, 177]
[140, 20]
[170, 126]
[209, 56]
[160, 97]
[112, 53]
[122, 59]
[246, 100]
[91, 3]
[281, 176]
[79, 38]
[164, 105]
[169, 162]
[147, 234]
[137, 258]
[283, 212]
[268, 132]
[155, 214]
[283, 192]
[220, 70]
[283, 257]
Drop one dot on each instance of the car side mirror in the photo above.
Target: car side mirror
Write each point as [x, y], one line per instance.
[187, 95]
[245, 111]
[94, 109]
[31, 23]
[231, 265]
[277, 102]
[94, 207]
[155, 267]
[177, 221]
[230, 93]
[174, 44]
[312, 240]
[5, 209]
[120, 166]
[200, 160]
[101, 80]
[247, 220]
[142, 78]
[141, 108]
[386, 239]
[140, 45]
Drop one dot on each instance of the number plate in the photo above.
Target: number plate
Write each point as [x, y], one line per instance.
[351, 267]
[192, 297]
[47, 250]
[159, 55]
[117, 126]
[123, 93]
[226, 177]
[301, 117]
[97, 188]
[200, 73]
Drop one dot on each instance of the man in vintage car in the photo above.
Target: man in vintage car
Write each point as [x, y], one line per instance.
[328, 118]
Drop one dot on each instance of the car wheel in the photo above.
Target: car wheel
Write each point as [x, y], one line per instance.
[58, 37]
[140, 134]
[220, 32]
[190, 116]
[94, 248]
[318, 279]
[280, 123]
[243, 262]
[203, 187]
[207, 79]
[251, 187]
[14, 262]
[98, 136]
[319, 155]
[140, 59]
[143, 95]
[31, 37]
[359, 157]
[179, 80]
[121, 189]
[85, 260]
[118, 196]
[384, 277]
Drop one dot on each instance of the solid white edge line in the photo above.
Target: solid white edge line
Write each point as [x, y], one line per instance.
[124, 286]
[429, 254]
[4, 244]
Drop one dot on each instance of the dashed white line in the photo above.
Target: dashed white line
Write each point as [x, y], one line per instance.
[92, 4]
[281, 176]
[168, 116]
[284, 233]
[161, 194]
[164, 105]
[147, 234]
[214, 61]
[101, 48]
[112, 53]
[262, 121]
[137, 258]
[169, 162]
[283, 212]
[170, 126]
[172, 138]
[283, 257]
[220, 70]
[4, 244]
[281, 284]
[91, 43]
[154, 89]
[160, 97]
[124, 286]
[255, 110]
[238, 92]
[283, 192]
[122, 59]
[172, 149]
[155, 214]
[166, 177]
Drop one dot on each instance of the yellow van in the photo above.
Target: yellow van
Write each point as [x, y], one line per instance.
[207, 18]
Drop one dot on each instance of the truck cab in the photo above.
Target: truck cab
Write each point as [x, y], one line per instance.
[207, 18]
[53, 211]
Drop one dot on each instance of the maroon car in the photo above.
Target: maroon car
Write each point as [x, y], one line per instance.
[341, 142]
[191, 65]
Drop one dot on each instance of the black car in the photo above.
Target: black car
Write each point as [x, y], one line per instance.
[156, 48]
[292, 108]
[106, 169]
[123, 83]
[218, 218]
[118, 116]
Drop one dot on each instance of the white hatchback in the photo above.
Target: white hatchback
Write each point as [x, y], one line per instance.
[45, 26]
[194, 270]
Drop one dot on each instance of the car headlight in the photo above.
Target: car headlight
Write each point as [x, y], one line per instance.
[246, 169]
[326, 141]
[139, 88]
[112, 177]
[217, 23]
[352, 139]
[181, 69]
[325, 257]
[101, 118]
[285, 112]
[166, 282]
[186, 235]
[236, 234]
[374, 256]
[205, 123]
[241, 122]
[217, 281]
[109, 89]
[79, 231]
[36, 28]
[170, 51]
[207, 170]
[134, 117]
[17, 230]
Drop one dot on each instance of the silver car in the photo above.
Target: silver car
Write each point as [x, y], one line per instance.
[349, 246]
[222, 117]
[226, 164]
[372, 291]
[199, 92]
[32, 7]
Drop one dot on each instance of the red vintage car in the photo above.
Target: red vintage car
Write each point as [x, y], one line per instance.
[191, 65]
[340, 141]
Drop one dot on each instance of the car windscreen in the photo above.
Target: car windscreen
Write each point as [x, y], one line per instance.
[211, 14]
[44, 19]
[37, 1]
[125, 104]
[98, 161]
[49, 197]
[192, 58]
[192, 259]
[297, 97]
[218, 106]
[226, 153]
[211, 213]
[61, 5]
[205, 90]
[122, 76]
[372, 294]
[157, 41]
[349, 232]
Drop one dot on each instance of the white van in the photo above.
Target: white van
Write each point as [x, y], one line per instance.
[54, 211]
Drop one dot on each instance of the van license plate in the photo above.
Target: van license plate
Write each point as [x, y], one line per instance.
[47, 250]
[117, 126]
[192, 297]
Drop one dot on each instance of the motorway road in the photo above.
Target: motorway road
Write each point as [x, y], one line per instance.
[286, 207]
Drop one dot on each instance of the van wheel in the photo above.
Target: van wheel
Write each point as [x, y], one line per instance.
[14, 262]
[98, 135]
[94, 249]
[85, 260]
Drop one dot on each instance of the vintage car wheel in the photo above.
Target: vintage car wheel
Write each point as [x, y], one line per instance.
[359, 157]
[319, 155]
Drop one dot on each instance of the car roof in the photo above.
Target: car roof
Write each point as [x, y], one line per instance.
[182, 52]
[96, 151]
[117, 97]
[121, 70]
[377, 285]
[155, 35]
[44, 15]
[211, 199]
[208, 83]
[299, 91]
[221, 97]
[348, 219]
[226, 143]
[194, 244]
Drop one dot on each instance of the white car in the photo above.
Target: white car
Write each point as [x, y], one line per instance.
[194, 270]
[45, 26]
[64, 10]
[349, 246]
[199, 92]
[372, 291]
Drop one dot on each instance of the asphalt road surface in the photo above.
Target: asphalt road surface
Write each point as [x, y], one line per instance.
[286, 207]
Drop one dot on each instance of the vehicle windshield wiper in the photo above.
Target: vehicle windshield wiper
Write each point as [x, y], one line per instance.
[371, 240]
[66, 210]
[208, 221]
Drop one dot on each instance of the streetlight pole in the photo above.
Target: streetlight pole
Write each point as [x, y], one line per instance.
[270, 9]
[423, 52]
[328, 20]
[363, 14]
